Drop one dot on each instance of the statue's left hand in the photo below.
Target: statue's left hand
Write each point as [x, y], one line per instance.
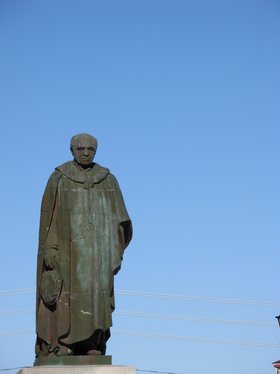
[51, 258]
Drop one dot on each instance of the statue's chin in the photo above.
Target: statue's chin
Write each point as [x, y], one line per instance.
[84, 164]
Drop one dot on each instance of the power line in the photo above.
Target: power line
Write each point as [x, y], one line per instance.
[18, 368]
[166, 296]
[140, 370]
[15, 312]
[197, 298]
[161, 316]
[16, 332]
[195, 319]
[196, 340]
[155, 371]
[17, 291]
[169, 337]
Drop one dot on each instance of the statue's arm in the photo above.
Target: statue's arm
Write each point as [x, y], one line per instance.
[51, 246]
[48, 248]
[125, 224]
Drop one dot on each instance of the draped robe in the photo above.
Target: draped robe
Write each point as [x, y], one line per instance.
[85, 221]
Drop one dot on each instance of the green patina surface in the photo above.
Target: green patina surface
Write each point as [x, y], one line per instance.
[84, 229]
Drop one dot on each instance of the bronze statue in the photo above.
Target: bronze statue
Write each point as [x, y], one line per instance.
[84, 230]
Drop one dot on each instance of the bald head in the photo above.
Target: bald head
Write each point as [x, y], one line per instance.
[83, 148]
[76, 140]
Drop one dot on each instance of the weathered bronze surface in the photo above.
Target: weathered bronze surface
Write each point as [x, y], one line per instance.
[84, 230]
[73, 360]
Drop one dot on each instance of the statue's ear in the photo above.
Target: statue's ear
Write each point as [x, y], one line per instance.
[72, 151]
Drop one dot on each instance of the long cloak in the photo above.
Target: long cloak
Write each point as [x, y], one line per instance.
[86, 211]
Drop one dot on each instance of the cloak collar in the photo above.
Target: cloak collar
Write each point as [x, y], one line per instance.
[88, 177]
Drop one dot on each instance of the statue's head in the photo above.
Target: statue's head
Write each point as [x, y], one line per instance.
[83, 148]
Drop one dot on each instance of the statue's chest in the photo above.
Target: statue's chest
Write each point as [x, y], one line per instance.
[86, 209]
[74, 196]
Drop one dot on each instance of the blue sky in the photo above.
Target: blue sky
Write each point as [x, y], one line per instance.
[183, 97]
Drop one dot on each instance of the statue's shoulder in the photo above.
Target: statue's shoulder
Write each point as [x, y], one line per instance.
[70, 170]
[112, 182]
[100, 173]
[64, 168]
[53, 180]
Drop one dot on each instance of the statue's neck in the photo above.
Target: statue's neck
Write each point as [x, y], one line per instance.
[83, 167]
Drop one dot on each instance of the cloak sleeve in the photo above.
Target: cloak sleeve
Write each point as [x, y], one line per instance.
[47, 210]
[124, 222]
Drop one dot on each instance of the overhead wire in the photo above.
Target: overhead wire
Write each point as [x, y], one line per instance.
[17, 368]
[15, 312]
[163, 316]
[17, 291]
[158, 295]
[155, 371]
[168, 337]
[139, 370]
[197, 298]
[195, 319]
[16, 332]
[128, 313]
[196, 340]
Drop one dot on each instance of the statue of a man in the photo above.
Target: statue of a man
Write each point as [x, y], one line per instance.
[84, 230]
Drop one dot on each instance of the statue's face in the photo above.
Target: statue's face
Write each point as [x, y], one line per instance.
[83, 151]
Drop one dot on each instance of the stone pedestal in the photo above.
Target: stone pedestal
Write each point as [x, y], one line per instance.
[78, 369]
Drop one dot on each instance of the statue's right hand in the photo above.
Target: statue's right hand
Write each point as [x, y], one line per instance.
[51, 258]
